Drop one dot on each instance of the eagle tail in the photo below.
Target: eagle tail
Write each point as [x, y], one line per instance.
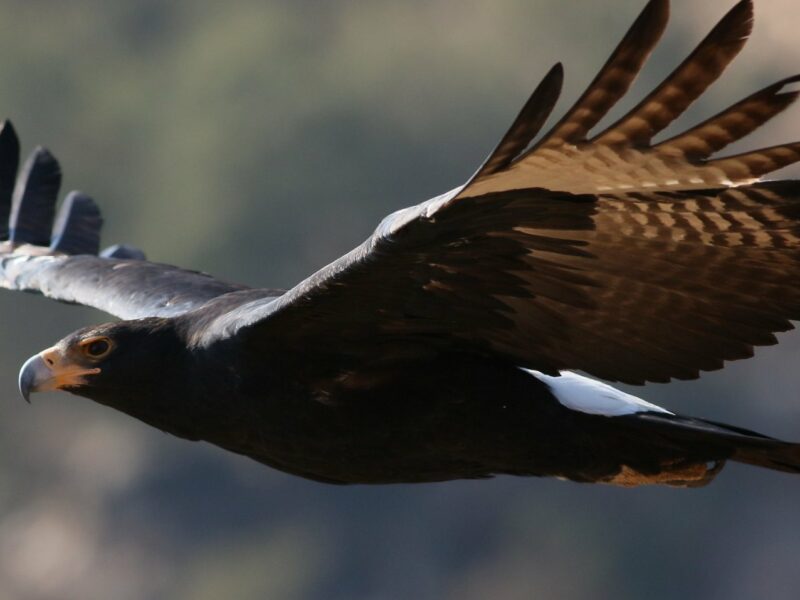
[703, 447]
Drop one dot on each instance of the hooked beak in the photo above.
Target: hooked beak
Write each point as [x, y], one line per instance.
[49, 370]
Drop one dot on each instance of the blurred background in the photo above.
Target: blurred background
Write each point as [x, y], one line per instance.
[259, 140]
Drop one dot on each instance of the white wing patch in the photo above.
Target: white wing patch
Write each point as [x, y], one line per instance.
[593, 397]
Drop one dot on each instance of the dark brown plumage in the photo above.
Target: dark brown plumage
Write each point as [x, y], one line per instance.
[439, 347]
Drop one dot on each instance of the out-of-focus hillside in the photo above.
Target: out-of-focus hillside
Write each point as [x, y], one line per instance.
[260, 140]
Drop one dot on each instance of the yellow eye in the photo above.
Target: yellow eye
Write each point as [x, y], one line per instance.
[96, 347]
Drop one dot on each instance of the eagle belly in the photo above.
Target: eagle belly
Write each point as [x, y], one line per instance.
[464, 417]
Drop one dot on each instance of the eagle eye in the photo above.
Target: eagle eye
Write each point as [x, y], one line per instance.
[96, 347]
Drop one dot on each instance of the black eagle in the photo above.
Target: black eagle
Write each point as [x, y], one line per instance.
[445, 345]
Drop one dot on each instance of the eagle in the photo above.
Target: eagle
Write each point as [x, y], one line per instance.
[473, 334]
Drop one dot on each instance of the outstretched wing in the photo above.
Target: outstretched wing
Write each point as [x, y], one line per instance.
[58, 254]
[631, 261]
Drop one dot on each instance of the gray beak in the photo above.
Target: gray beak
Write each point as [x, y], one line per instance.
[34, 372]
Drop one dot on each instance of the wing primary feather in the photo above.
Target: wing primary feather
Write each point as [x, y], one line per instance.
[686, 83]
[527, 124]
[34, 200]
[749, 166]
[614, 79]
[732, 124]
[9, 164]
[77, 227]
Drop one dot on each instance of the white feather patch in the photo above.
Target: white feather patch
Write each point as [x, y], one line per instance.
[593, 397]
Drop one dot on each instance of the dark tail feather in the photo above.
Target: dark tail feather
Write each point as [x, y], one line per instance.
[772, 454]
[661, 448]
[708, 440]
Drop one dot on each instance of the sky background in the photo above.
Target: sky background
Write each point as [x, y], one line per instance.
[259, 141]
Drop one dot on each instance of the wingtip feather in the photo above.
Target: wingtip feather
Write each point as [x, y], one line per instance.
[615, 77]
[77, 226]
[34, 199]
[9, 165]
[527, 124]
[732, 124]
[692, 77]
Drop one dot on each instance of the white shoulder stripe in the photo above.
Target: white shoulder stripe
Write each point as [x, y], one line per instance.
[593, 397]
